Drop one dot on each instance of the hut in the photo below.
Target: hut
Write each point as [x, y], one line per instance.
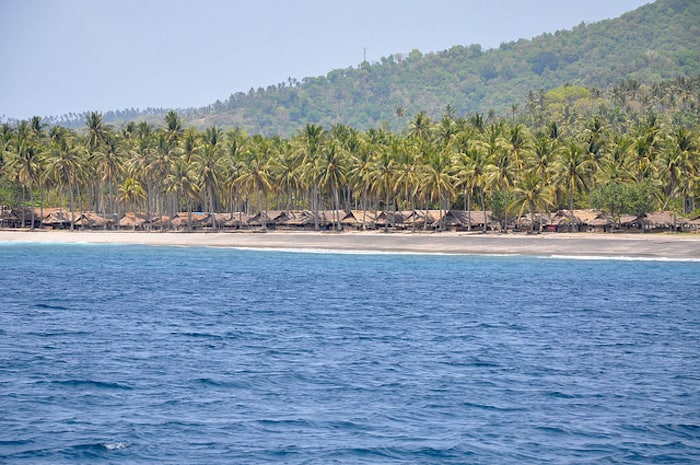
[359, 219]
[393, 219]
[270, 219]
[185, 220]
[534, 222]
[661, 222]
[236, 220]
[694, 224]
[91, 220]
[422, 219]
[574, 220]
[462, 220]
[134, 221]
[57, 218]
[306, 220]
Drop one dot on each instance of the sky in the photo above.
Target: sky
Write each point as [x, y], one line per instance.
[72, 56]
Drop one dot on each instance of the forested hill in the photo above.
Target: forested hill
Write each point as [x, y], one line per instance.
[655, 42]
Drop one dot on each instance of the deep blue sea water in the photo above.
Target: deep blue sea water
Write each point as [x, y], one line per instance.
[134, 354]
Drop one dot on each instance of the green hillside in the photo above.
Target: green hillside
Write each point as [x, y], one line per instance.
[656, 42]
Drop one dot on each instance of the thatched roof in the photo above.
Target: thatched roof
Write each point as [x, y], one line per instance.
[236, 219]
[627, 219]
[580, 216]
[355, 217]
[268, 216]
[182, 218]
[661, 219]
[57, 216]
[419, 217]
[93, 220]
[133, 220]
[465, 218]
[392, 217]
[526, 220]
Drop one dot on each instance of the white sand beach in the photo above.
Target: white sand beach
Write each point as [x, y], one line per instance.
[651, 246]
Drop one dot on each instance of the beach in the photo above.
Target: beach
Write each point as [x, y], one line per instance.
[642, 246]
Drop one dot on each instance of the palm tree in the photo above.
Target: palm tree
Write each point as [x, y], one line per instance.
[501, 172]
[26, 169]
[182, 184]
[332, 173]
[65, 166]
[96, 134]
[256, 172]
[572, 171]
[165, 155]
[361, 173]
[308, 144]
[408, 172]
[383, 171]
[208, 165]
[131, 193]
[174, 127]
[110, 164]
[472, 170]
[533, 193]
[438, 181]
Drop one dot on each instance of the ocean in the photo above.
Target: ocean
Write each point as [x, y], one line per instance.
[173, 355]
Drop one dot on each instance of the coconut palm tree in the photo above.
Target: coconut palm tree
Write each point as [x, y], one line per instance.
[472, 170]
[332, 173]
[408, 172]
[26, 168]
[65, 166]
[307, 146]
[383, 173]
[109, 161]
[256, 172]
[131, 193]
[209, 167]
[174, 127]
[533, 193]
[438, 181]
[572, 169]
[182, 184]
[500, 171]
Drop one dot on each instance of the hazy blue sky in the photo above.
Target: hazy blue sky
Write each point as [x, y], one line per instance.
[60, 56]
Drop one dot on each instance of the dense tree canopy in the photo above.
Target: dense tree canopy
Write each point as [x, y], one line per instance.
[631, 148]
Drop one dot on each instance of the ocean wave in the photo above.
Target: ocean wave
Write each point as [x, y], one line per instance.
[625, 258]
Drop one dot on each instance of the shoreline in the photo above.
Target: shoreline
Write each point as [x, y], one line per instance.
[582, 245]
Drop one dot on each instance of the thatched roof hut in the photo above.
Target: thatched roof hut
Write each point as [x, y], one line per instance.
[355, 218]
[271, 218]
[562, 220]
[661, 221]
[464, 220]
[419, 218]
[133, 220]
[92, 220]
[182, 219]
[57, 218]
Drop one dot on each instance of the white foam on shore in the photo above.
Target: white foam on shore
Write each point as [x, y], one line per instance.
[625, 258]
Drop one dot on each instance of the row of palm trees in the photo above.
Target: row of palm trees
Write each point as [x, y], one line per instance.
[430, 165]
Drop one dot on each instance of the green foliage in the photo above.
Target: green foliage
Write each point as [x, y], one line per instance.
[501, 204]
[623, 199]
[658, 41]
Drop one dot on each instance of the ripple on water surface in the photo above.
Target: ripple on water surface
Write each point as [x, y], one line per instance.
[195, 355]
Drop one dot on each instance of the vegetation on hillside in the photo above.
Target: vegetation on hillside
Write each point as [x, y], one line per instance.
[659, 41]
[560, 149]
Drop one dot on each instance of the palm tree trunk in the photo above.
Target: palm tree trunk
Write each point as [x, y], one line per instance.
[72, 215]
[468, 200]
[31, 202]
[483, 208]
